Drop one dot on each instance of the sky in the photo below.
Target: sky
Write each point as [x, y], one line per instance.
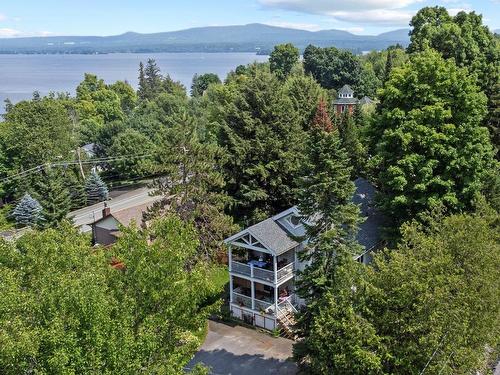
[111, 17]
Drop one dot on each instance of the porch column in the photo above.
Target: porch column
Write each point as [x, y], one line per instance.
[253, 295]
[230, 288]
[230, 257]
[276, 299]
[275, 265]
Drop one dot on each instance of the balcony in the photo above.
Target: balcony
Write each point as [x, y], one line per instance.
[261, 273]
[266, 307]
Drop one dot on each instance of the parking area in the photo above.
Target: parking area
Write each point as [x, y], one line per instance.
[236, 350]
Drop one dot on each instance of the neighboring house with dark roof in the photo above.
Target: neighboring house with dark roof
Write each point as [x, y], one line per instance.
[346, 101]
[263, 261]
[106, 230]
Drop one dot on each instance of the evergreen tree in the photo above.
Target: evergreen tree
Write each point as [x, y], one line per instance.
[54, 197]
[142, 91]
[388, 65]
[28, 211]
[193, 184]
[265, 141]
[78, 195]
[350, 135]
[331, 221]
[96, 189]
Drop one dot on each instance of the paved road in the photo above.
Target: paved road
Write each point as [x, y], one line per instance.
[241, 351]
[87, 215]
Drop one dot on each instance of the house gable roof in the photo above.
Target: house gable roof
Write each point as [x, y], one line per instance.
[277, 240]
[128, 215]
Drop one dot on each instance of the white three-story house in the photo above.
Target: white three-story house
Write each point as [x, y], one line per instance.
[263, 261]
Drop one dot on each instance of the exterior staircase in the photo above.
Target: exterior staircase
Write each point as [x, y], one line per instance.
[286, 319]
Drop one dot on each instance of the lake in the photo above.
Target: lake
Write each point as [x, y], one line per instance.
[20, 75]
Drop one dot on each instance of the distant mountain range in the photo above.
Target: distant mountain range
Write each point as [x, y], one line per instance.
[255, 37]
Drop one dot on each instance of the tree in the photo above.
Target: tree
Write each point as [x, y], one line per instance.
[193, 184]
[430, 146]
[36, 132]
[446, 271]
[98, 102]
[54, 197]
[78, 195]
[283, 58]
[139, 149]
[465, 39]
[304, 94]
[139, 306]
[331, 221]
[350, 135]
[96, 189]
[127, 95]
[263, 136]
[428, 306]
[201, 83]
[28, 211]
[152, 83]
[333, 68]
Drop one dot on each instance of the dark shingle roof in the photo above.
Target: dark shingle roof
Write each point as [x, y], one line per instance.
[369, 230]
[365, 100]
[346, 89]
[272, 235]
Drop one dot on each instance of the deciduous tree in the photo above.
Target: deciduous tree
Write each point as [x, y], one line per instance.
[283, 58]
[431, 146]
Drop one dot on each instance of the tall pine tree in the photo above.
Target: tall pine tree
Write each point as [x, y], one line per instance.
[331, 220]
[54, 197]
[350, 137]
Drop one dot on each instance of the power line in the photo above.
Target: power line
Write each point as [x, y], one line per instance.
[38, 168]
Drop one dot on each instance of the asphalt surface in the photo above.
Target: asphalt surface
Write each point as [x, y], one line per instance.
[238, 350]
[87, 215]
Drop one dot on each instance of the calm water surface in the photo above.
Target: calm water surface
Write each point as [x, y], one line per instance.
[20, 75]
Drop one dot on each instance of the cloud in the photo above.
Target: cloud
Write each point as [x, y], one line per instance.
[12, 33]
[377, 16]
[295, 25]
[380, 12]
[327, 7]
[455, 11]
[3, 17]
[353, 30]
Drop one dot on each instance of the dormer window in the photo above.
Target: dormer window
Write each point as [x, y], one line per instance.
[294, 221]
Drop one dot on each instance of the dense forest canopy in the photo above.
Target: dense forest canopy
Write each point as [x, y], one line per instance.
[242, 148]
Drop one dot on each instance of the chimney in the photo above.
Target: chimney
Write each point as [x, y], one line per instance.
[106, 211]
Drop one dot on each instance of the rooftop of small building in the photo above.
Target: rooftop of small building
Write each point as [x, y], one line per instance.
[346, 89]
[128, 215]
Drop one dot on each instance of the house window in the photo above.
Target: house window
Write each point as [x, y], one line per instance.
[342, 108]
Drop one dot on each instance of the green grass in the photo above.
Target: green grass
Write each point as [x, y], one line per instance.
[220, 276]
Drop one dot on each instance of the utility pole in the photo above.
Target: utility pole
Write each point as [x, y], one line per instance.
[80, 162]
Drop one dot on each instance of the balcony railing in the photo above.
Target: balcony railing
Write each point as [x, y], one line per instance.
[286, 271]
[242, 300]
[284, 306]
[262, 274]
